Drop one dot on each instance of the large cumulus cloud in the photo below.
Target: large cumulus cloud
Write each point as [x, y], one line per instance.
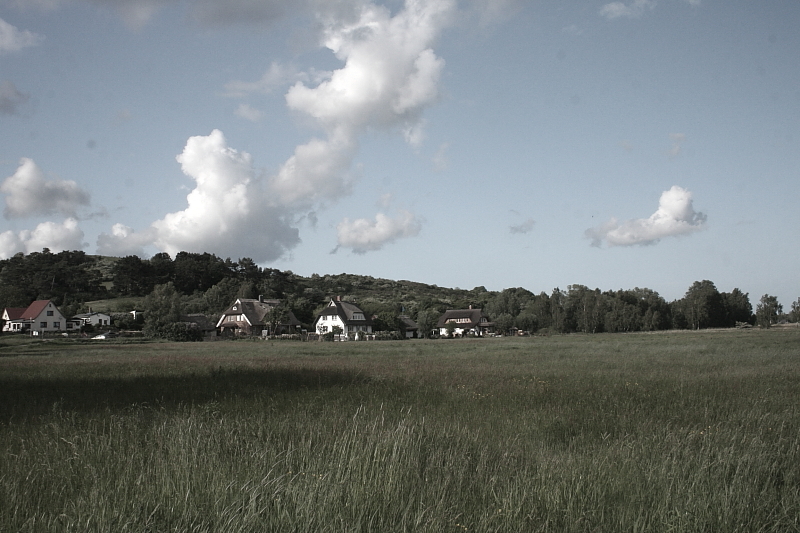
[228, 211]
[29, 193]
[57, 237]
[675, 216]
[390, 74]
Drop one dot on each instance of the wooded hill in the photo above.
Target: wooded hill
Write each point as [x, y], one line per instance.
[205, 283]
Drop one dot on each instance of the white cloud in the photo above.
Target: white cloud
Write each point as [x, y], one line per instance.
[13, 39]
[56, 237]
[11, 98]
[675, 216]
[29, 193]
[248, 112]
[390, 75]
[125, 241]
[363, 235]
[228, 211]
[634, 9]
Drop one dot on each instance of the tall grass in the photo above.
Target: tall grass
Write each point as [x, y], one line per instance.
[646, 432]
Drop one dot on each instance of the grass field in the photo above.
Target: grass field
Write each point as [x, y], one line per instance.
[681, 431]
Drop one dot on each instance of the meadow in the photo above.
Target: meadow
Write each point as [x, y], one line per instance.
[676, 431]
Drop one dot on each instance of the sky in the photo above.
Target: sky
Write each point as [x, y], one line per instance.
[462, 143]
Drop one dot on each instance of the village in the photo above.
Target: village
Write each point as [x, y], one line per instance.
[248, 317]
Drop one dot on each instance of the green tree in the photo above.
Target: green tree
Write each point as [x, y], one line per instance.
[703, 306]
[162, 308]
[768, 310]
[737, 308]
[427, 320]
[503, 323]
[795, 313]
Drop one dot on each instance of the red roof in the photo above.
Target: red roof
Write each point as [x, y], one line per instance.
[35, 309]
[14, 313]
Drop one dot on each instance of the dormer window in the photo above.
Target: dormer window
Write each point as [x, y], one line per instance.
[358, 316]
[235, 308]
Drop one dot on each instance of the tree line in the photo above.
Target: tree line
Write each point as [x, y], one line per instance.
[206, 284]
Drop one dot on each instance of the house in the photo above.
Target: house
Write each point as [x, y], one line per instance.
[408, 328]
[12, 319]
[465, 322]
[42, 316]
[94, 318]
[345, 315]
[247, 316]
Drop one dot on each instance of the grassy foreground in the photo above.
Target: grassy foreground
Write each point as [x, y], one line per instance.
[648, 432]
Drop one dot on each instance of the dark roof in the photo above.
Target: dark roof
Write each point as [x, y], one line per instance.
[408, 324]
[473, 315]
[255, 311]
[345, 311]
[14, 313]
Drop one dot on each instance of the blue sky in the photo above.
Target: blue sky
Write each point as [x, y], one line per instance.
[642, 143]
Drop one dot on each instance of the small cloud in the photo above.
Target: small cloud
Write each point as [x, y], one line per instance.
[675, 216]
[248, 112]
[572, 29]
[56, 237]
[440, 159]
[13, 39]
[677, 141]
[29, 193]
[276, 76]
[11, 98]
[362, 235]
[385, 200]
[521, 229]
[634, 9]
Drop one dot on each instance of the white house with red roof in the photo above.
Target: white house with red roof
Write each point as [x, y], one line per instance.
[42, 316]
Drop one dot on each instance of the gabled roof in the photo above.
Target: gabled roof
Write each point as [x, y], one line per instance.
[473, 315]
[35, 309]
[345, 312]
[254, 311]
[408, 324]
[13, 313]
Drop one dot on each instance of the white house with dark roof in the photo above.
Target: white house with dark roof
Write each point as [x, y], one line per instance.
[94, 318]
[346, 315]
[248, 316]
[465, 322]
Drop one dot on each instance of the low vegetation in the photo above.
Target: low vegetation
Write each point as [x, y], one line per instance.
[672, 431]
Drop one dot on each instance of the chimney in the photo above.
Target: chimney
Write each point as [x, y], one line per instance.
[338, 297]
[470, 306]
[261, 298]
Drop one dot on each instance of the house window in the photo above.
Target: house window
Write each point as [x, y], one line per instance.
[235, 308]
[49, 313]
[57, 325]
[358, 316]
[43, 325]
[69, 325]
